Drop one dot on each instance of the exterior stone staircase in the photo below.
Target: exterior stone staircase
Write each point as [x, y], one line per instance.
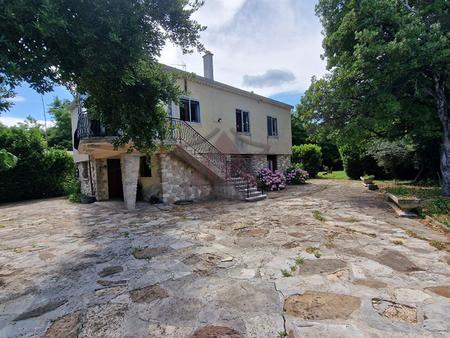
[230, 178]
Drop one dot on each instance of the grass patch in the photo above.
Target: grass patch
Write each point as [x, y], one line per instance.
[433, 203]
[286, 273]
[438, 245]
[282, 334]
[318, 216]
[336, 175]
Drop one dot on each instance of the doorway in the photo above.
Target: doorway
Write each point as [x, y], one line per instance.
[115, 179]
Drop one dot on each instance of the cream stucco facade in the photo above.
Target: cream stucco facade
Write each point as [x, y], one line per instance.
[183, 174]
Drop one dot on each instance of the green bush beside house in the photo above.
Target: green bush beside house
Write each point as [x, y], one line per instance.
[309, 157]
[39, 172]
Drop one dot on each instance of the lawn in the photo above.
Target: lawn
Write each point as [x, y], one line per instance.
[335, 175]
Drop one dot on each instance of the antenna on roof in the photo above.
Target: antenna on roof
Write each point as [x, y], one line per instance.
[179, 64]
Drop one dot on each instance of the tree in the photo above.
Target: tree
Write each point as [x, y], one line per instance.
[60, 135]
[389, 70]
[104, 49]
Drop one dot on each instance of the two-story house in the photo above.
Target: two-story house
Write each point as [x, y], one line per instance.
[220, 136]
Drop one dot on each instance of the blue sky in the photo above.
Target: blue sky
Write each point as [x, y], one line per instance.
[270, 47]
[28, 102]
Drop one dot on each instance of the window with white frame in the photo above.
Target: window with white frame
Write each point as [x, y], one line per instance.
[242, 121]
[272, 126]
[189, 110]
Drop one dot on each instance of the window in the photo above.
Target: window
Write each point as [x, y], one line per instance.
[272, 163]
[272, 126]
[145, 167]
[189, 110]
[242, 121]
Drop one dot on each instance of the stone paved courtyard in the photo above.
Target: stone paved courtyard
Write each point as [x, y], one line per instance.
[324, 259]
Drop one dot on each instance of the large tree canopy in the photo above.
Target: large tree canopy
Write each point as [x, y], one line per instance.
[103, 48]
[389, 67]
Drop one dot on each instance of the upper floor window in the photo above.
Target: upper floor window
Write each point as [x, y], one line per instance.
[242, 121]
[272, 126]
[189, 110]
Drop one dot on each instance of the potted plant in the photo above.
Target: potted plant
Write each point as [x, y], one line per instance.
[367, 179]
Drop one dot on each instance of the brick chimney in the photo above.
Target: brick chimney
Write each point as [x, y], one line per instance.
[208, 69]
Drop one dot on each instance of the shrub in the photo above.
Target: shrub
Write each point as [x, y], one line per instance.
[271, 181]
[309, 157]
[295, 175]
[39, 172]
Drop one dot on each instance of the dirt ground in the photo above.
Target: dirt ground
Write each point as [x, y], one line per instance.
[326, 259]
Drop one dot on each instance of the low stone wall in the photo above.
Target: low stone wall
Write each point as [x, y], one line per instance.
[179, 181]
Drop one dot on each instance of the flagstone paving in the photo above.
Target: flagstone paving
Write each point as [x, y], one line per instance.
[324, 259]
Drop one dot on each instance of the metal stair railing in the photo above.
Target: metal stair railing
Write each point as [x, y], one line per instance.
[182, 132]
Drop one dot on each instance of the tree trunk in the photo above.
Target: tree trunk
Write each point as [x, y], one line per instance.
[442, 101]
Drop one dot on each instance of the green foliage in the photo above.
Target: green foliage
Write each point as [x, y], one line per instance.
[299, 133]
[61, 134]
[7, 160]
[309, 156]
[39, 172]
[389, 72]
[392, 155]
[107, 50]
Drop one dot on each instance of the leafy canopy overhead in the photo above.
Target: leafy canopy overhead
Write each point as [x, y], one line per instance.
[106, 49]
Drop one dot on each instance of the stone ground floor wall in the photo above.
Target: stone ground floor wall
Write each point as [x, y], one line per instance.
[284, 162]
[179, 181]
[151, 186]
[260, 161]
[101, 179]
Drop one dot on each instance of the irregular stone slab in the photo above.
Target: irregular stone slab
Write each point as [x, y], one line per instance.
[253, 232]
[68, 326]
[162, 331]
[297, 234]
[317, 266]
[216, 332]
[110, 270]
[36, 312]
[371, 283]
[149, 253]
[395, 311]
[321, 305]
[148, 294]
[109, 291]
[104, 321]
[407, 296]
[442, 290]
[397, 261]
[112, 282]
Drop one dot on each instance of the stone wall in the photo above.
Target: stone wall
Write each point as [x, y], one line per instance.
[258, 162]
[179, 181]
[151, 186]
[284, 162]
[101, 177]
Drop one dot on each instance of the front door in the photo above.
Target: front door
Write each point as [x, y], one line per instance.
[114, 179]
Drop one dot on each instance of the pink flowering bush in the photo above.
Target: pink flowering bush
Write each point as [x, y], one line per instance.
[271, 180]
[296, 176]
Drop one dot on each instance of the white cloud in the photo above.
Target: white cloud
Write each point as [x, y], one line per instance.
[254, 36]
[16, 99]
[12, 121]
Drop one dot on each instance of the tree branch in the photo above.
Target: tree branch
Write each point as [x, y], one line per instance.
[408, 7]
